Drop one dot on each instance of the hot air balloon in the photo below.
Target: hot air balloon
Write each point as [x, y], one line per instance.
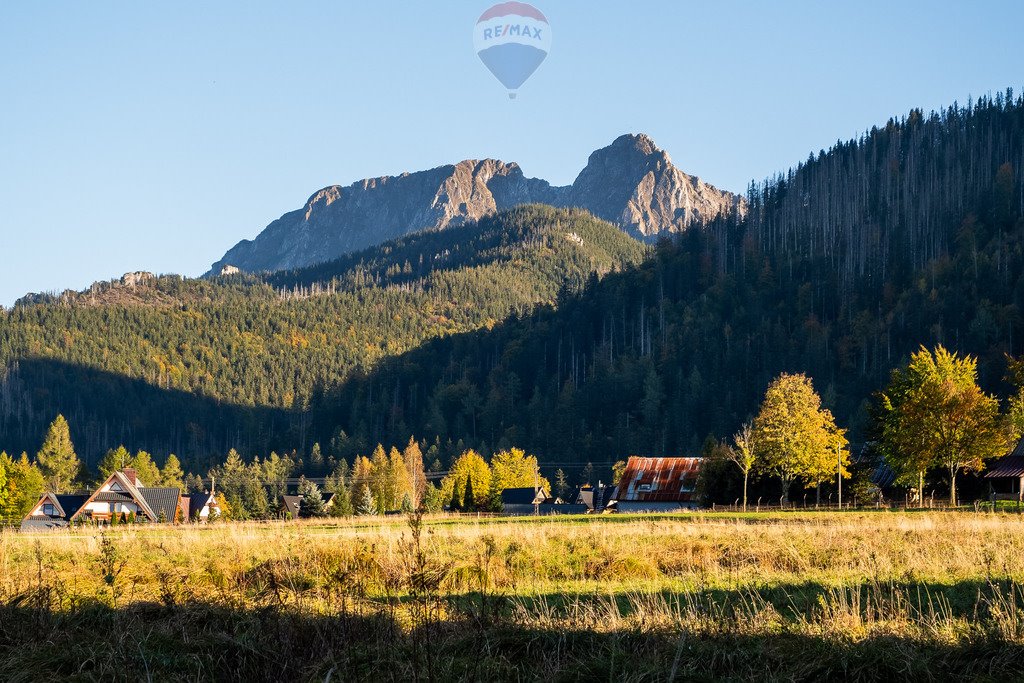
[512, 39]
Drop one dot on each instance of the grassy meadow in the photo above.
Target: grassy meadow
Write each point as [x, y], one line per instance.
[783, 596]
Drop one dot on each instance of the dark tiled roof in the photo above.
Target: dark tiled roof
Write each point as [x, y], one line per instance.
[197, 501]
[524, 496]
[71, 503]
[583, 496]
[658, 480]
[1007, 467]
[291, 504]
[113, 497]
[162, 500]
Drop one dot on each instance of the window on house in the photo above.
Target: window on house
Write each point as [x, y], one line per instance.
[645, 488]
[689, 485]
[116, 487]
[50, 510]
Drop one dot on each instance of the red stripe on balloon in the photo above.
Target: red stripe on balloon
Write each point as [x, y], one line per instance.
[518, 8]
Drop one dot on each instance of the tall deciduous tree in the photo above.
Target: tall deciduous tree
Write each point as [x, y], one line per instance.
[793, 435]
[513, 469]
[25, 484]
[934, 414]
[413, 457]
[742, 454]
[399, 480]
[470, 465]
[57, 458]
[5, 492]
[381, 479]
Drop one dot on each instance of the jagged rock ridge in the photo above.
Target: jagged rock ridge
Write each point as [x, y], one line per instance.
[631, 183]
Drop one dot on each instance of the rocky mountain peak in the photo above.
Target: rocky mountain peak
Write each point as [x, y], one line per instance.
[631, 183]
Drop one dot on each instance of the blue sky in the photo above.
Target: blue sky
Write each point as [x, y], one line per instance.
[155, 135]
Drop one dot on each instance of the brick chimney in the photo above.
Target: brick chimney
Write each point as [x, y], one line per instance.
[129, 473]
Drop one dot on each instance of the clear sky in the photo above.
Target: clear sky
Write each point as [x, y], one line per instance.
[154, 135]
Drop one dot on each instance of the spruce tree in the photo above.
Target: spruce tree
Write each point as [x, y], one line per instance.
[57, 458]
[364, 505]
[172, 476]
[470, 501]
[312, 500]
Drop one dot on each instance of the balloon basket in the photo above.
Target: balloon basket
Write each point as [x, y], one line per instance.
[512, 95]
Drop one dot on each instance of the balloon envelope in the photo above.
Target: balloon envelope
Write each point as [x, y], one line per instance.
[512, 39]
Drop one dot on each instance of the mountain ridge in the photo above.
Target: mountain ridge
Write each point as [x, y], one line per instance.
[631, 183]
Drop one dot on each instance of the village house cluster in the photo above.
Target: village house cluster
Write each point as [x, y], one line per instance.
[646, 485]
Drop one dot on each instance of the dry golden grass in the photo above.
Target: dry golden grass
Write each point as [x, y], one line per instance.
[531, 556]
[884, 593]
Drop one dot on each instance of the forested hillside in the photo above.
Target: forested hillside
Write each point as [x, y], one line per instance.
[501, 334]
[197, 367]
[911, 235]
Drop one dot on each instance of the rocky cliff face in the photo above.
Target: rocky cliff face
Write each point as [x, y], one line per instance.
[635, 185]
[631, 183]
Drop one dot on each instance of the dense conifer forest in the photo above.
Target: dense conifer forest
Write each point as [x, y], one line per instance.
[197, 367]
[552, 331]
[910, 236]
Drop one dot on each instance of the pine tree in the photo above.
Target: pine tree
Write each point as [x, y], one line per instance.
[561, 483]
[57, 458]
[469, 503]
[316, 460]
[115, 460]
[381, 479]
[172, 475]
[194, 484]
[146, 470]
[587, 476]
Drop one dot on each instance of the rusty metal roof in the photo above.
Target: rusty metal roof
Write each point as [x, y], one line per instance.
[651, 480]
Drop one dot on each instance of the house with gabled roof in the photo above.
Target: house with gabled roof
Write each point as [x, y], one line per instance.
[121, 495]
[290, 506]
[53, 511]
[1006, 475]
[595, 498]
[657, 485]
[203, 506]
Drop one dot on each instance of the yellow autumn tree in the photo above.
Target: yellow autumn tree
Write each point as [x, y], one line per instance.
[514, 469]
[934, 414]
[470, 467]
[793, 436]
[413, 457]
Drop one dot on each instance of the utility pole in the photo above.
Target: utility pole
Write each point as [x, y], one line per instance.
[839, 460]
[536, 483]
